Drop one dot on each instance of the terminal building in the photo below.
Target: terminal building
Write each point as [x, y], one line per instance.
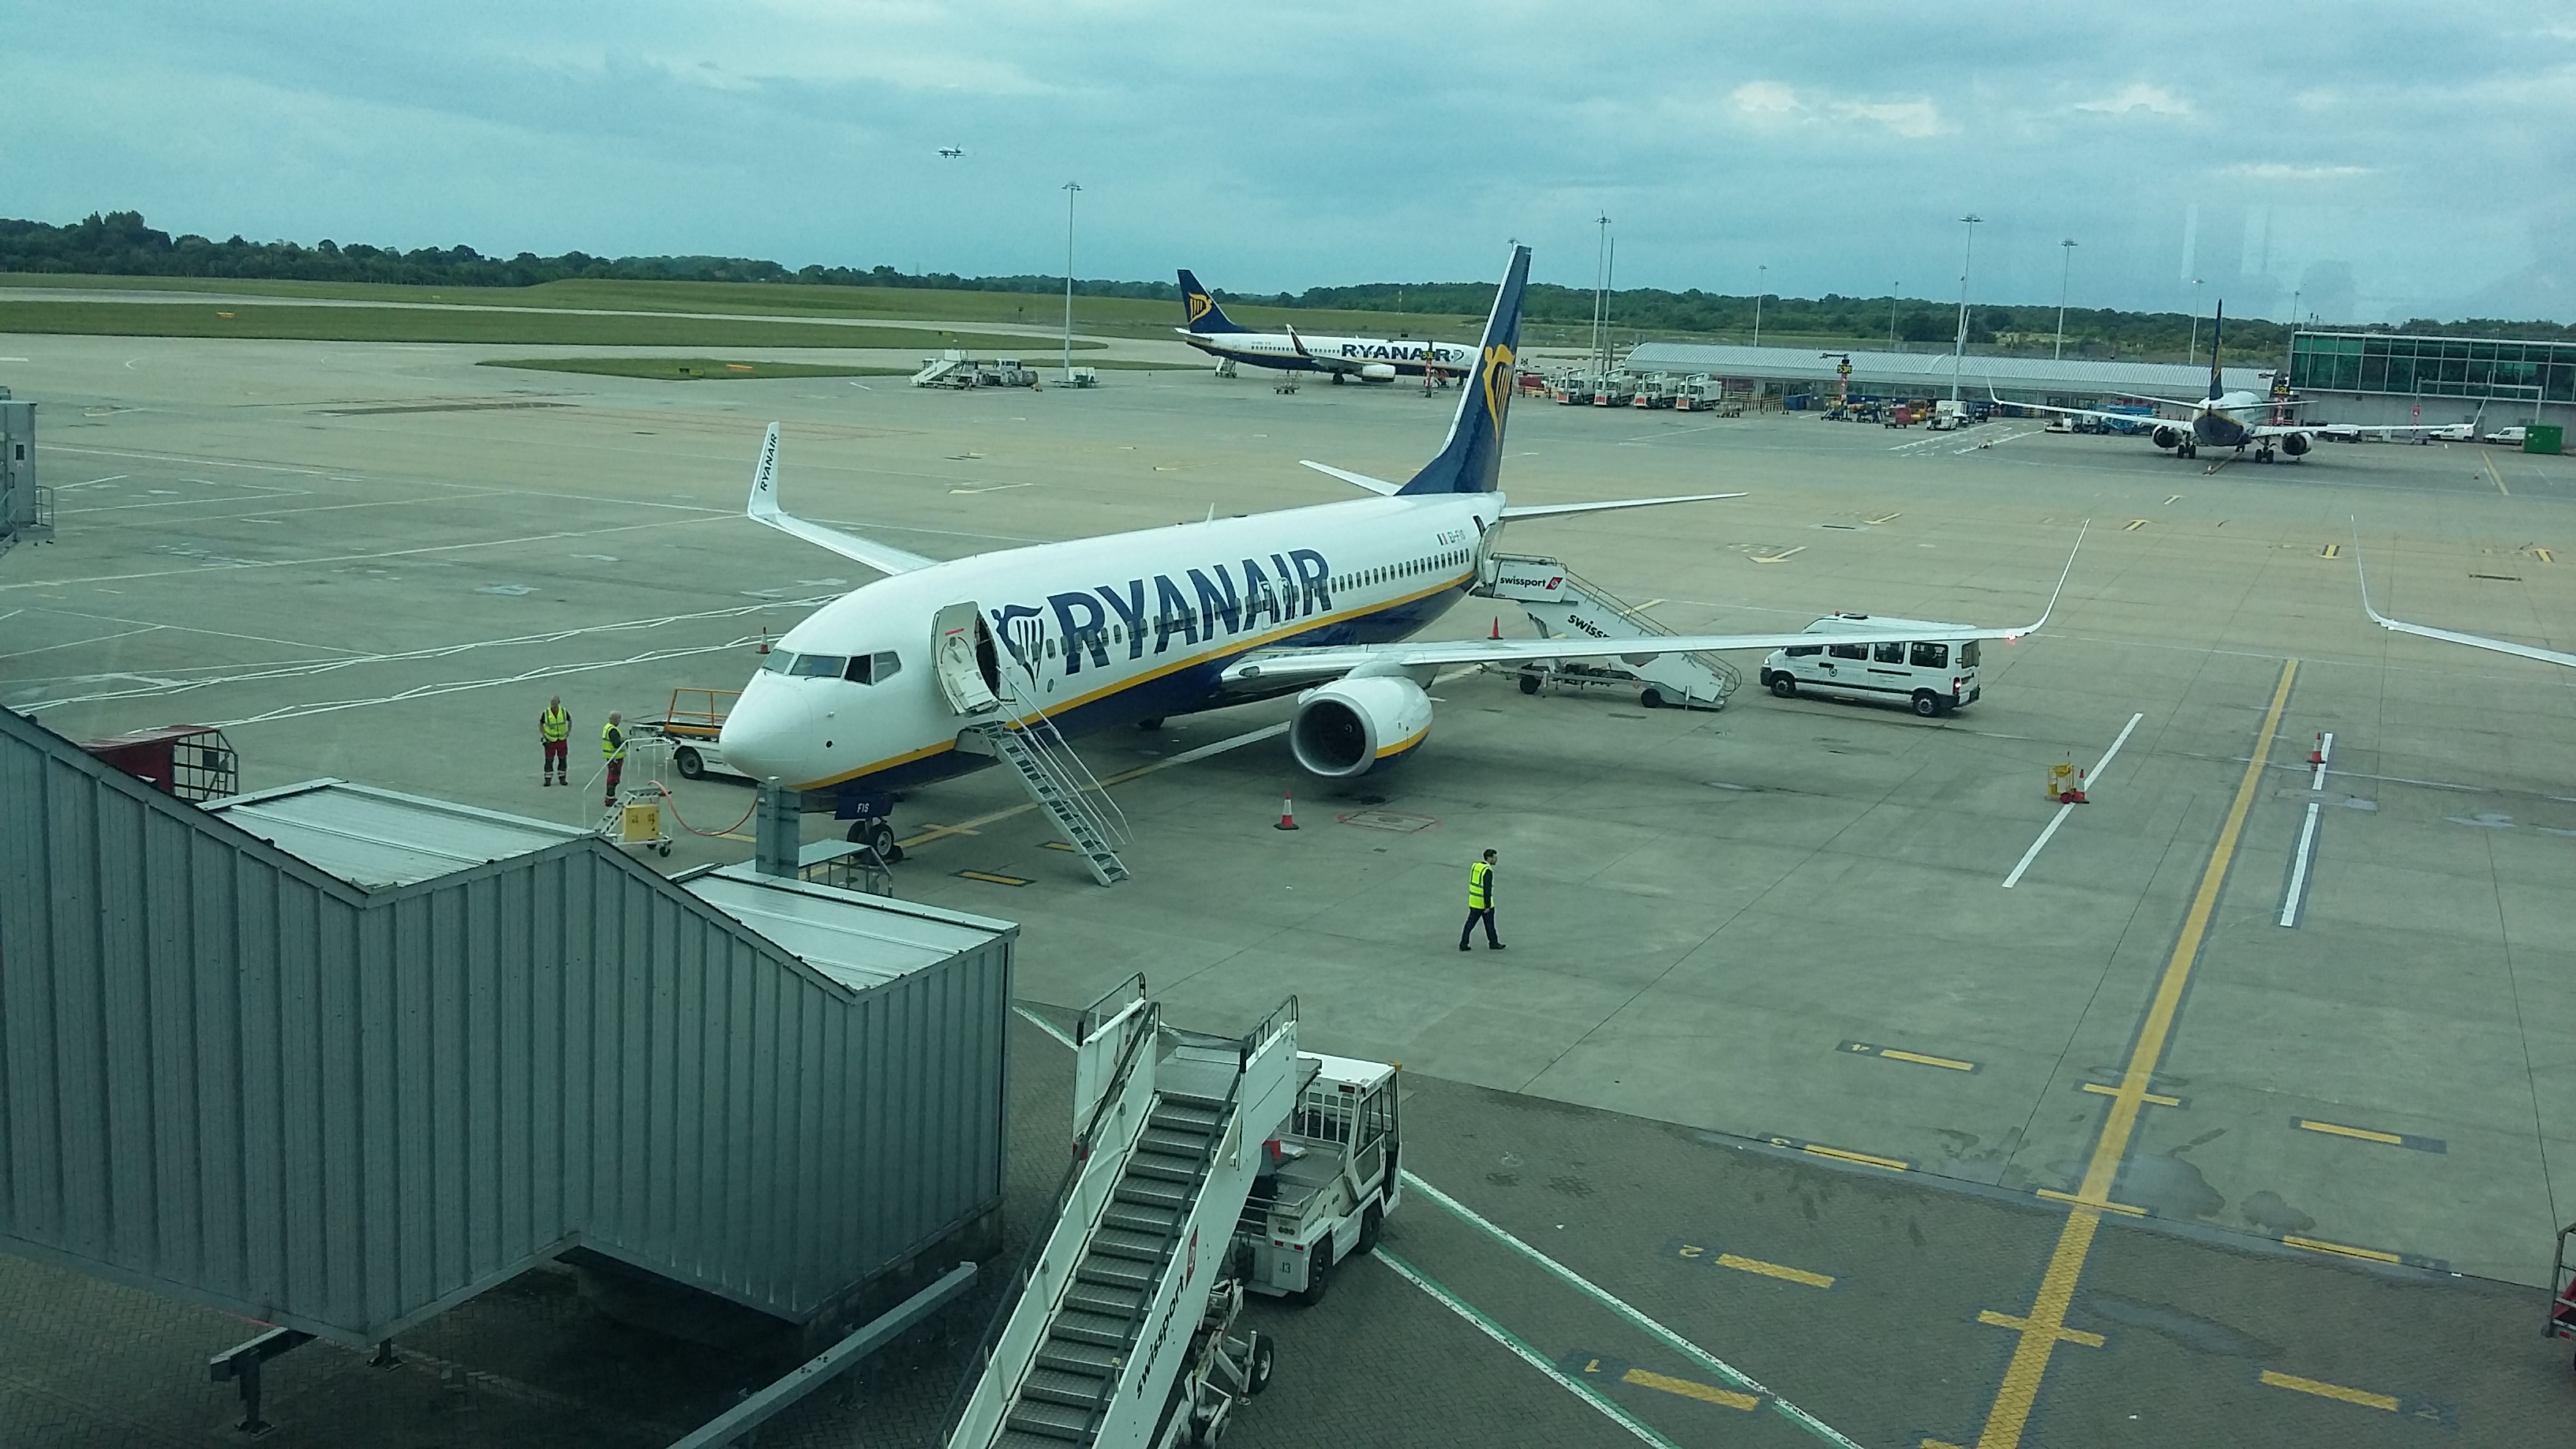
[2061, 381]
[2383, 378]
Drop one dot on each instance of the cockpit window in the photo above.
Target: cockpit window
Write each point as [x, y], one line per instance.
[818, 666]
[778, 662]
[873, 668]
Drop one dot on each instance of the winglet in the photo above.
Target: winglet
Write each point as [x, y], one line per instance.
[2062, 576]
[763, 508]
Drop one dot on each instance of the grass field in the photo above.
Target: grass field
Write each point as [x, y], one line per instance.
[429, 324]
[717, 369]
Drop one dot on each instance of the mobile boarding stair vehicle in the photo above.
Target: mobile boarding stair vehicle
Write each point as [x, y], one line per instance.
[1124, 1331]
[1562, 603]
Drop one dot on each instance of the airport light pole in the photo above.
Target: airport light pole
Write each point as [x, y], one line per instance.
[1892, 289]
[2191, 355]
[1759, 274]
[1959, 357]
[2063, 273]
[1072, 189]
[1600, 285]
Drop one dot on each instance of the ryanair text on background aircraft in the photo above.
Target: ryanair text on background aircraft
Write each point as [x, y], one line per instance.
[1370, 359]
[2224, 419]
[872, 690]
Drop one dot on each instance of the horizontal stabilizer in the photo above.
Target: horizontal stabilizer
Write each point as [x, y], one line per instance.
[884, 558]
[1550, 510]
[1374, 485]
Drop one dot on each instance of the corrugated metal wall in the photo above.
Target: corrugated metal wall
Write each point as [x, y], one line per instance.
[227, 1075]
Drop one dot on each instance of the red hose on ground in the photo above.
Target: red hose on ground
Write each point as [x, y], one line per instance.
[669, 799]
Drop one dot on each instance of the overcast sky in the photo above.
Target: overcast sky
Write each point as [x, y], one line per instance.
[2385, 160]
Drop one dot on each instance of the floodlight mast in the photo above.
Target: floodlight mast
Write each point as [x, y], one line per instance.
[1072, 189]
[1959, 356]
[2063, 275]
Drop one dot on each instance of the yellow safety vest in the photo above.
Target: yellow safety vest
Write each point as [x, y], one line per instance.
[612, 745]
[1480, 886]
[554, 725]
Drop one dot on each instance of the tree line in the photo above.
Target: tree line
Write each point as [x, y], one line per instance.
[121, 244]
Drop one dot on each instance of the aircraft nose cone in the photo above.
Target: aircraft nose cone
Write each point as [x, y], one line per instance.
[766, 734]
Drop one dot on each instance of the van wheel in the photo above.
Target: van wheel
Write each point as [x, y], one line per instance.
[1926, 703]
[1529, 684]
[1785, 685]
[1651, 699]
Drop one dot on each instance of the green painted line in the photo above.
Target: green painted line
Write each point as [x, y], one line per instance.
[1526, 1354]
[1606, 1299]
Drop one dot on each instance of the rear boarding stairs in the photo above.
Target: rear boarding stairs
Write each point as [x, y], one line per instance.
[1564, 604]
[1121, 1334]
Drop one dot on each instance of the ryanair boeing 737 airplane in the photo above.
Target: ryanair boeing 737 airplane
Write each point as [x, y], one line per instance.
[874, 690]
[1370, 359]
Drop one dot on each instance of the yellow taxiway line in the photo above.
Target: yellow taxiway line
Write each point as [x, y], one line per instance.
[2044, 1327]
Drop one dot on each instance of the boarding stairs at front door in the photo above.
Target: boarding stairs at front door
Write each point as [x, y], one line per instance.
[1061, 784]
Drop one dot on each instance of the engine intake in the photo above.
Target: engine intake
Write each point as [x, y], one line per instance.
[1352, 726]
[2170, 437]
[2294, 444]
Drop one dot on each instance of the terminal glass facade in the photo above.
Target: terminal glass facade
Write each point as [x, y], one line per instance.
[2465, 367]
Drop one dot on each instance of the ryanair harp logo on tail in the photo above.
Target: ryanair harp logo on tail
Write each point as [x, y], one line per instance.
[1497, 381]
[1198, 305]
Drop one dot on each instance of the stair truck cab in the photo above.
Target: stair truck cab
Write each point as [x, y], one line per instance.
[1327, 1180]
[1927, 667]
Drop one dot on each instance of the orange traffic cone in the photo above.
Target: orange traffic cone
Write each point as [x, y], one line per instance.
[2317, 752]
[2076, 795]
[1498, 628]
[1287, 812]
[764, 638]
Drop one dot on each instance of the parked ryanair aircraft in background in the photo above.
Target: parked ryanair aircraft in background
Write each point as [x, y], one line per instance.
[2223, 419]
[896, 681]
[1370, 359]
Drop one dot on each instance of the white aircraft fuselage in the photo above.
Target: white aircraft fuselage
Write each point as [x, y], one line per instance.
[1375, 359]
[1095, 631]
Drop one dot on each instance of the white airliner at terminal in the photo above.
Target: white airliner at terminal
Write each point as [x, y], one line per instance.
[872, 691]
[1370, 359]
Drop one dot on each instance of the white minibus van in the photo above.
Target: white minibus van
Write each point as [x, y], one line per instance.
[1931, 672]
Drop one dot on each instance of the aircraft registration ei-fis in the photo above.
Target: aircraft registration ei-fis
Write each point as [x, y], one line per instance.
[2223, 419]
[874, 690]
[1370, 359]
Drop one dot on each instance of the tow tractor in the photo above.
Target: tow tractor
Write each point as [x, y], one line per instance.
[692, 724]
[1327, 1181]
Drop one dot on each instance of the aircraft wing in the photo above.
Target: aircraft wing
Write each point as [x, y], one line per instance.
[884, 558]
[1327, 663]
[2133, 419]
[2474, 641]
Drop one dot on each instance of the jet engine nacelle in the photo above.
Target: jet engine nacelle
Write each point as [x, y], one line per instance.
[1354, 725]
[2294, 444]
[2170, 437]
[1378, 371]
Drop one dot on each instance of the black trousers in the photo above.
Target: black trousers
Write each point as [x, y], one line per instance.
[1475, 914]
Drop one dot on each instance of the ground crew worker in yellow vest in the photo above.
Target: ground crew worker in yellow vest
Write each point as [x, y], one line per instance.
[1480, 902]
[554, 735]
[612, 748]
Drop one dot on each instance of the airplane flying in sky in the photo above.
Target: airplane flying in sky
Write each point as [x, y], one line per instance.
[2222, 419]
[873, 690]
[2474, 641]
[1370, 359]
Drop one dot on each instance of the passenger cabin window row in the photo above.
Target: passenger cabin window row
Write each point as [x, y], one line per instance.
[1387, 574]
[1919, 656]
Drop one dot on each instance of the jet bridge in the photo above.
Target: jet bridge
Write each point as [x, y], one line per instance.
[1563, 603]
[1120, 1329]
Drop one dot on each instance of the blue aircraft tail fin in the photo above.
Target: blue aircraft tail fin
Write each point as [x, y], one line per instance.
[1199, 310]
[2217, 324]
[1472, 461]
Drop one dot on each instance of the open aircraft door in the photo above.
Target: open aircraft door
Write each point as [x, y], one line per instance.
[962, 650]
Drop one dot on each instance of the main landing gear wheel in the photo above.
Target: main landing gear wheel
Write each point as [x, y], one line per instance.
[1785, 685]
[878, 836]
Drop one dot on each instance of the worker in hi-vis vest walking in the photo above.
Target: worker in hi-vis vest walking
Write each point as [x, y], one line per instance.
[1480, 902]
[612, 748]
[554, 736]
